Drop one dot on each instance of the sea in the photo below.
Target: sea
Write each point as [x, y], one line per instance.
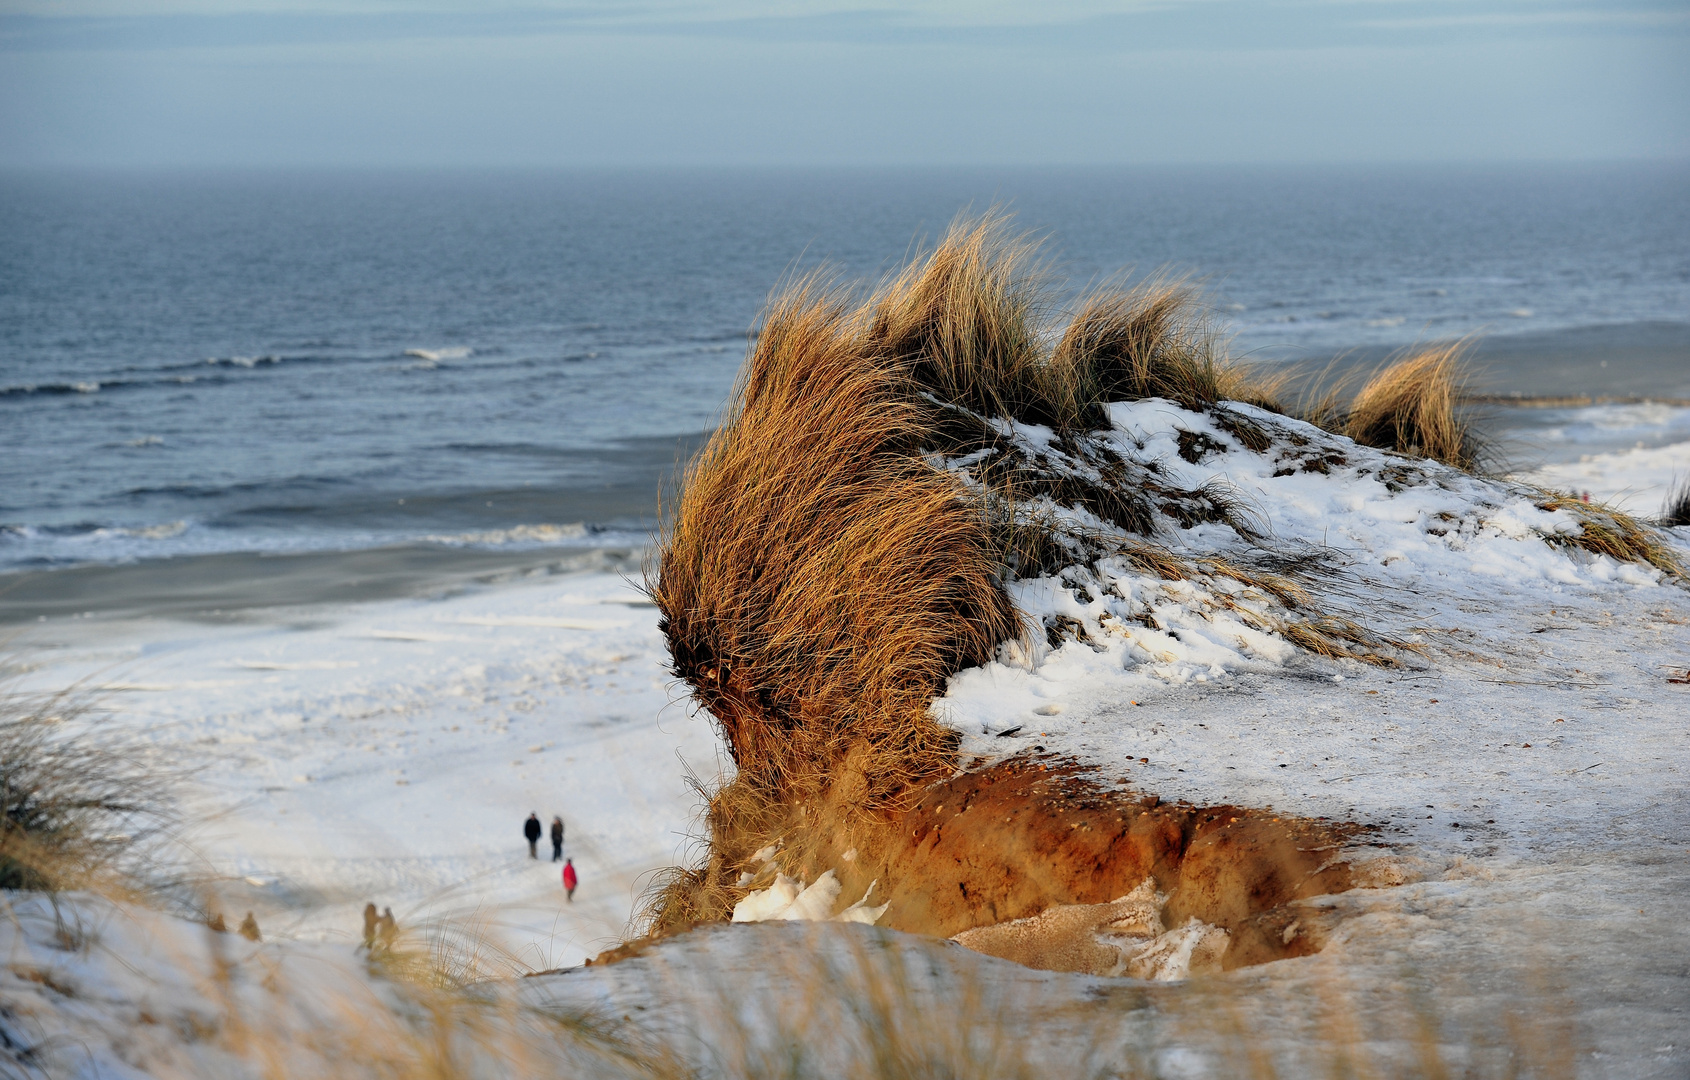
[440, 366]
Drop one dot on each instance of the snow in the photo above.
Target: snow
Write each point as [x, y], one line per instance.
[1531, 767]
[1638, 481]
[390, 752]
[790, 899]
[1526, 643]
[1126, 936]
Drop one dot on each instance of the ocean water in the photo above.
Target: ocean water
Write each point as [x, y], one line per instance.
[211, 363]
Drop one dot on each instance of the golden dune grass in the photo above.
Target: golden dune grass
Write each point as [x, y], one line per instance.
[820, 578]
[1155, 340]
[819, 581]
[1413, 405]
[964, 326]
[1604, 530]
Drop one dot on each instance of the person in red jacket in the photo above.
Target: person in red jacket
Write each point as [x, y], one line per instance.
[569, 878]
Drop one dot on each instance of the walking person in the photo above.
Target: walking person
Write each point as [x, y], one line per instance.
[531, 830]
[569, 879]
[557, 839]
[387, 929]
[370, 921]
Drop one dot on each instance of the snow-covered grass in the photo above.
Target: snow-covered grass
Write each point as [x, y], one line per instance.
[1468, 569]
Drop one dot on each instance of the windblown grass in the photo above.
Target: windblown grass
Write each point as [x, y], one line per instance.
[1155, 340]
[79, 807]
[824, 572]
[964, 326]
[1604, 530]
[1675, 512]
[819, 580]
[1413, 405]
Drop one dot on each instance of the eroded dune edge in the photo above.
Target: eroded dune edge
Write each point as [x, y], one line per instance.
[927, 492]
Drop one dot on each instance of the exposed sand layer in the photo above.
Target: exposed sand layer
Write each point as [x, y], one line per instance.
[1035, 833]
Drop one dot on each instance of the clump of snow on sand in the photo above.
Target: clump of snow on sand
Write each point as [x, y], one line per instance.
[1126, 936]
[790, 899]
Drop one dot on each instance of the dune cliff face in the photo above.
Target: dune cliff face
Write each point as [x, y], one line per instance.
[939, 546]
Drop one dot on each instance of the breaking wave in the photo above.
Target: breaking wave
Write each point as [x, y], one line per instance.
[538, 535]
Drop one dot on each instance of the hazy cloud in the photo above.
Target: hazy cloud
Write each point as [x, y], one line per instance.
[748, 82]
[1227, 24]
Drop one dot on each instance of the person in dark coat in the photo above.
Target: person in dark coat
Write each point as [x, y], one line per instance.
[249, 928]
[531, 829]
[569, 879]
[557, 839]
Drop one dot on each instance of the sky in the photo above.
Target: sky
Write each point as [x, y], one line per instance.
[349, 83]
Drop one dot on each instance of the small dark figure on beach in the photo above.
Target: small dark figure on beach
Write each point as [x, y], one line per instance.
[249, 928]
[531, 830]
[569, 879]
[557, 839]
[217, 924]
[387, 928]
[371, 919]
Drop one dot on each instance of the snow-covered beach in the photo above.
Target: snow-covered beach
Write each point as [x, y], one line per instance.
[389, 751]
[1530, 781]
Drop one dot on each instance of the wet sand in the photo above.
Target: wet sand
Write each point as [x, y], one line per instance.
[1634, 361]
[221, 587]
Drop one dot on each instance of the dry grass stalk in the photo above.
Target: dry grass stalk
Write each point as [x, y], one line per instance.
[1155, 340]
[1303, 625]
[819, 581]
[79, 811]
[1412, 405]
[964, 325]
[1675, 512]
[1604, 530]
